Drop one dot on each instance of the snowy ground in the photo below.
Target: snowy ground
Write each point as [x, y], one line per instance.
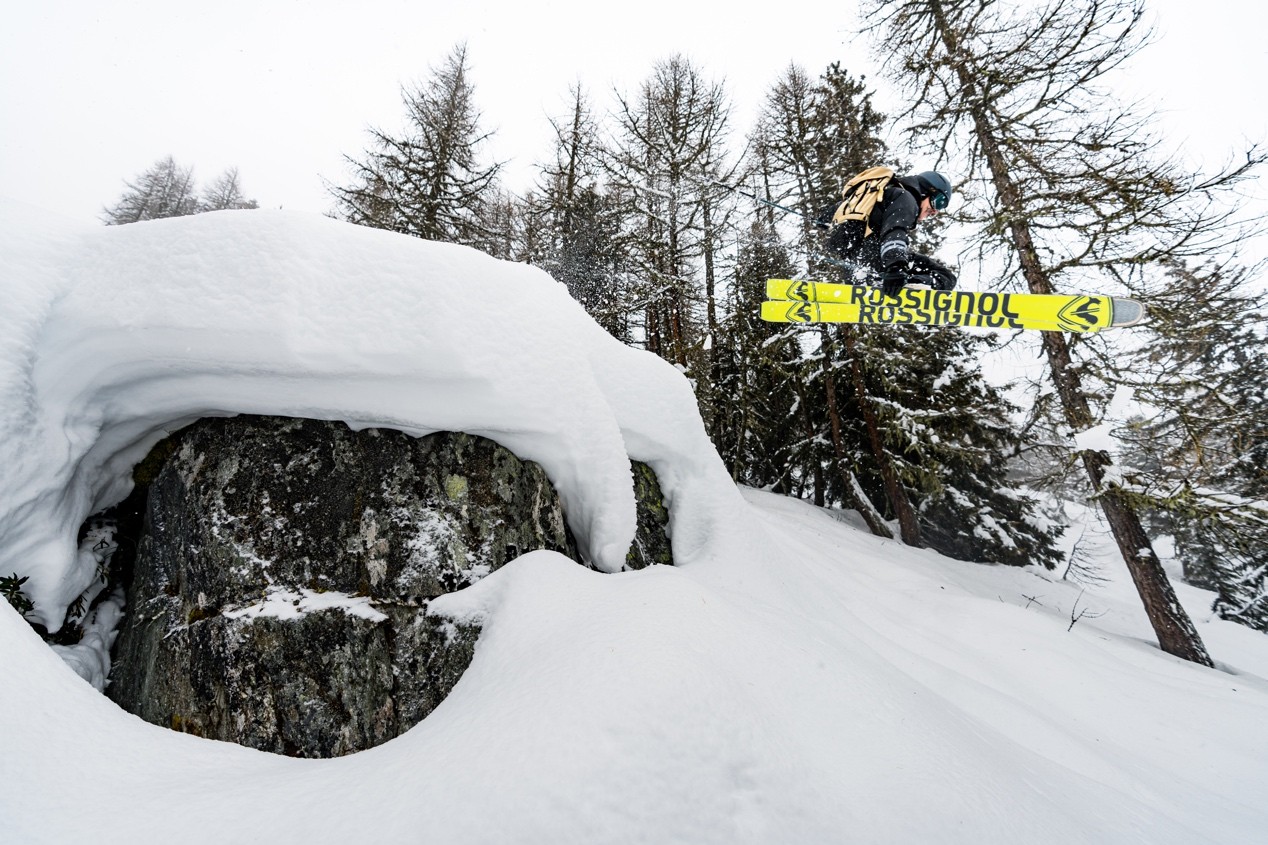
[794, 680]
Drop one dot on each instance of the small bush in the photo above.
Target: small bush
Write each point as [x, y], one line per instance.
[11, 588]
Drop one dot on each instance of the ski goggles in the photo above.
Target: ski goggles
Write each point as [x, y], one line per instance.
[939, 200]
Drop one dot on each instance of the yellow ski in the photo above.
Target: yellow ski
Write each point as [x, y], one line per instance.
[821, 302]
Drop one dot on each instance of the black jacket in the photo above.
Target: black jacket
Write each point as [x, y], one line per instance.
[892, 221]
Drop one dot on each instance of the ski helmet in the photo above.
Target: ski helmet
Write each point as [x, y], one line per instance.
[936, 187]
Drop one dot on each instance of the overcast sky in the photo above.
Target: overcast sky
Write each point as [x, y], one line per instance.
[92, 92]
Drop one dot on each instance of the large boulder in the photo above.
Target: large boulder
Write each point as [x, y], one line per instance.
[280, 590]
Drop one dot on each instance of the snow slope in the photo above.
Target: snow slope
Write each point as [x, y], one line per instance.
[793, 680]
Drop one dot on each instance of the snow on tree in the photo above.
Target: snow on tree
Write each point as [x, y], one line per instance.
[668, 154]
[574, 225]
[1198, 450]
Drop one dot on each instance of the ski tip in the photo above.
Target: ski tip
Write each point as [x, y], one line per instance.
[785, 311]
[1128, 312]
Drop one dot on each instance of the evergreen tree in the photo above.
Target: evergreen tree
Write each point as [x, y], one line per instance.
[756, 370]
[1199, 452]
[952, 435]
[813, 138]
[665, 164]
[915, 431]
[429, 182]
[225, 193]
[165, 190]
[574, 226]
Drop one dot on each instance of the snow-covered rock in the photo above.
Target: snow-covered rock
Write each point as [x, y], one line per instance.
[279, 593]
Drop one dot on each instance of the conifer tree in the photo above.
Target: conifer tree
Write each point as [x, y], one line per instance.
[756, 364]
[1070, 183]
[952, 435]
[814, 136]
[165, 190]
[1198, 452]
[226, 193]
[430, 181]
[575, 225]
[504, 226]
[169, 190]
[669, 154]
[914, 426]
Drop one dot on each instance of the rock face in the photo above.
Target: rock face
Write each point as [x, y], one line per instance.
[279, 596]
[651, 536]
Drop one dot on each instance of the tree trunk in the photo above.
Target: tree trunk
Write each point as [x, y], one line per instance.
[1171, 624]
[803, 406]
[853, 490]
[908, 524]
[653, 341]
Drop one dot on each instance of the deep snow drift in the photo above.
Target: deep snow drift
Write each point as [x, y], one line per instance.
[793, 680]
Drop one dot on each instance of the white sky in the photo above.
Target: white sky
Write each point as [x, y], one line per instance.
[92, 93]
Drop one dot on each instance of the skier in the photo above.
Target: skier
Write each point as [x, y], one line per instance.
[872, 224]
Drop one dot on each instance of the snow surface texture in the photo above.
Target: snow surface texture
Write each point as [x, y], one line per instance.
[794, 680]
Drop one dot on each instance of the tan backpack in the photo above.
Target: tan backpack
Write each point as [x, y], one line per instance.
[860, 195]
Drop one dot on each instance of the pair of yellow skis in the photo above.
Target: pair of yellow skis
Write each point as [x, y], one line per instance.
[790, 301]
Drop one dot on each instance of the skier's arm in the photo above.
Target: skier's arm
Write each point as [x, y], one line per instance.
[899, 262]
[898, 219]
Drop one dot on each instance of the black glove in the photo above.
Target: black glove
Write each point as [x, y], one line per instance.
[943, 278]
[892, 282]
[939, 275]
